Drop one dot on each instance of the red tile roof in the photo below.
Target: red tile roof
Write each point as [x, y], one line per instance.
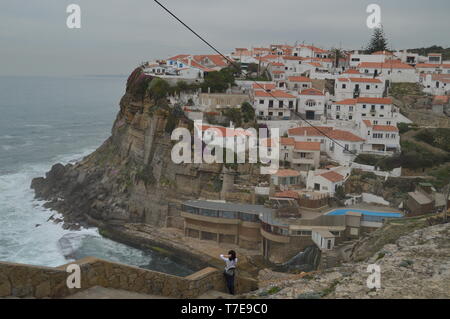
[312, 92]
[385, 128]
[351, 71]
[360, 80]
[287, 194]
[299, 79]
[441, 99]
[307, 146]
[385, 65]
[346, 102]
[275, 94]
[264, 86]
[341, 135]
[287, 173]
[374, 100]
[367, 122]
[332, 176]
[288, 141]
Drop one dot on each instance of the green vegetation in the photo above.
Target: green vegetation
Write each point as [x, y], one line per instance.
[406, 263]
[441, 175]
[146, 175]
[219, 81]
[309, 295]
[404, 127]
[159, 89]
[439, 138]
[399, 90]
[433, 49]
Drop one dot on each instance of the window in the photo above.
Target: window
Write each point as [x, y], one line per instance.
[280, 104]
[261, 101]
[280, 113]
[344, 86]
[350, 108]
[382, 107]
[364, 106]
[270, 103]
[338, 107]
[291, 104]
[350, 117]
[367, 87]
[311, 103]
[303, 155]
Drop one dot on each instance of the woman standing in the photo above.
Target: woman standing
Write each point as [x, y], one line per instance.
[230, 269]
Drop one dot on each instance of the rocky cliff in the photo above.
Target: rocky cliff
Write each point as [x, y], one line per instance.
[130, 178]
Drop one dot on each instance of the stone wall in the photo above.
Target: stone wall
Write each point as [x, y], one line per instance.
[21, 280]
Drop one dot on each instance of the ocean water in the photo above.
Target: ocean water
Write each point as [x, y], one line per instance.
[43, 121]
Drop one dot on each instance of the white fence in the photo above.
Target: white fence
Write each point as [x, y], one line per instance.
[396, 172]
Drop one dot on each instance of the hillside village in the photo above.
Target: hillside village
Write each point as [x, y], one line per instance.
[341, 115]
[355, 174]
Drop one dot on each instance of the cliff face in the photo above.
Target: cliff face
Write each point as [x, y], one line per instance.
[130, 178]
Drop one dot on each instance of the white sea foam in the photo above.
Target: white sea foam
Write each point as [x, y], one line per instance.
[27, 236]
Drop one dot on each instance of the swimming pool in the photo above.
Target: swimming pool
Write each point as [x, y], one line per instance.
[365, 213]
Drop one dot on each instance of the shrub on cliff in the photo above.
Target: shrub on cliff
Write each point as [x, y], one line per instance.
[219, 81]
[158, 89]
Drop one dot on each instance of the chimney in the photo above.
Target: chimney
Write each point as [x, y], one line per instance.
[190, 60]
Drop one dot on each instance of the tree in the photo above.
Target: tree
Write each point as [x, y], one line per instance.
[219, 81]
[248, 112]
[378, 42]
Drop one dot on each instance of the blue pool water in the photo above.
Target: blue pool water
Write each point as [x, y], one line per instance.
[343, 211]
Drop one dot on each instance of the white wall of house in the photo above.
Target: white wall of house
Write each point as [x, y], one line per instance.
[345, 89]
[311, 106]
[356, 59]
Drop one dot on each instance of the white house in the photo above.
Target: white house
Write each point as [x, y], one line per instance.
[311, 104]
[378, 110]
[274, 104]
[340, 145]
[436, 84]
[407, 57]
[343, 146]
[349, 88]
[394, 71]
[323, 239]
[356, 59]
[298, 83]
[327, 180]
[380, 138]
[293, 65]
[310, 51]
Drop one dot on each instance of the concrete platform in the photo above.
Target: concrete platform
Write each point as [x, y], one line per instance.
[98, 292]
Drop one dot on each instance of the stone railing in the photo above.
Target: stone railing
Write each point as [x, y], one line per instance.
[20, 280]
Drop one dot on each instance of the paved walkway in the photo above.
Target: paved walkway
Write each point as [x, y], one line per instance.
[98, 292]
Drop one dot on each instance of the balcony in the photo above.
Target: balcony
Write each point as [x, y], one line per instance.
[275, 237]
[300, 160]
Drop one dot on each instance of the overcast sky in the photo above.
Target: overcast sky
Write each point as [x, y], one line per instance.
[116, 35]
